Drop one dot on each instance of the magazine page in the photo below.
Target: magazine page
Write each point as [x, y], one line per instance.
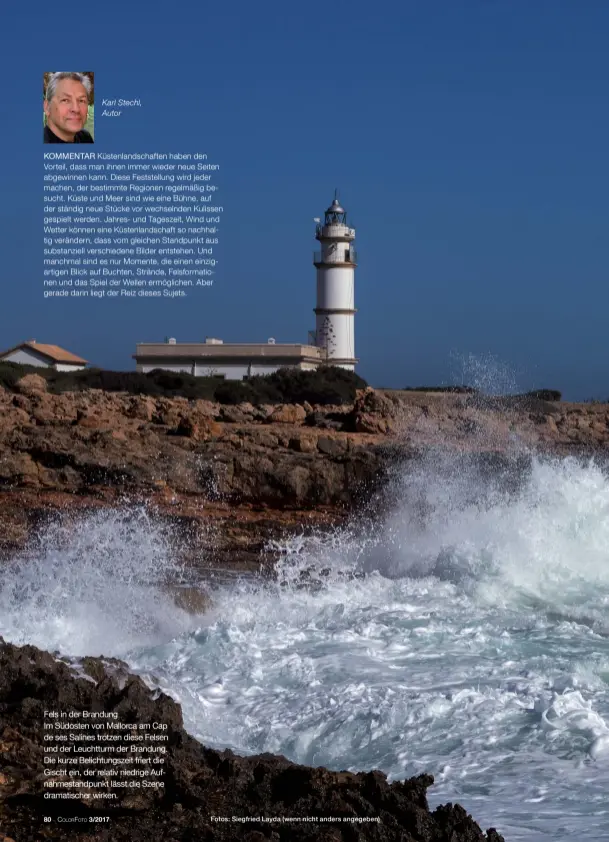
[304, 500]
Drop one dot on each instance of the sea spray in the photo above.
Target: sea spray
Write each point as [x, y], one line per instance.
[545, 539]
[486, 373]
[94, 586]
[464, 633]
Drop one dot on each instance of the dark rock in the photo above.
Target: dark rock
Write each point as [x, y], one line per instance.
[324, 421]
[332, 446]
[303, 443]
[199, 782]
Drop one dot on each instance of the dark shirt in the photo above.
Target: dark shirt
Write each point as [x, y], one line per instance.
[80, 137]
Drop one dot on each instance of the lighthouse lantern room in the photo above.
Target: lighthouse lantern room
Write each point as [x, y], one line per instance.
[335, 311]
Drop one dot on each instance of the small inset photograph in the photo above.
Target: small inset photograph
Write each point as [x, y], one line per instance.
[68, 104]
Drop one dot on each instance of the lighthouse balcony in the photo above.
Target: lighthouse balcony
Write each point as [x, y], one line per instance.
[334, 231]
[339, 257]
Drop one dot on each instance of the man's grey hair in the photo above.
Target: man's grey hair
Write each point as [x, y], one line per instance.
[54, 78]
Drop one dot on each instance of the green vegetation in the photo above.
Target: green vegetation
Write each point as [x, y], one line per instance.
[540, 394]
[544, 395]
[326, 385]
[10, 373]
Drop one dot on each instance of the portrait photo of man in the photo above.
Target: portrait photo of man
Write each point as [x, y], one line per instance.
[68, 107]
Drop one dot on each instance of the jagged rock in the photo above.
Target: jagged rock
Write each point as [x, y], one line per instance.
[141, 407]
[368, 423]
[187, 427]
[372, 401]
[288, 414]
[196, 426]
[21, 401]
[303, 443]
[237, 414]
[332, 446]
[203, 407]
[89, 420]
[325, 421]
[106, 446]
[18, 467]
[372, 413]
[198, 782]
[14, 417]
[168, 414]
[262, 437]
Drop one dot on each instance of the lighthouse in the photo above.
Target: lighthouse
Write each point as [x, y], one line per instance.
[335, 311]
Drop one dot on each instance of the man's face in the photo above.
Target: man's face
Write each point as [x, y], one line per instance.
[67, 111]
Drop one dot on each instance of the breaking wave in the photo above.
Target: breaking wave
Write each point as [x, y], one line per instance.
[99, 586]
[465, 633]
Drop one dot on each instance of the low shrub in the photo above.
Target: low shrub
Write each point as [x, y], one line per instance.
[10, 373]
[132, 382]
[235, 391]
[326, 385]
[181, 384]
[545, 394]
[155, 383]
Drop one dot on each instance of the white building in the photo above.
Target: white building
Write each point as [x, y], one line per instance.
[333, 340]
[232, 361]
[43, 356]
[335, 310]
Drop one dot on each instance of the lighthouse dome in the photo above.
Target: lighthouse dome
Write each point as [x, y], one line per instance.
[335, 207]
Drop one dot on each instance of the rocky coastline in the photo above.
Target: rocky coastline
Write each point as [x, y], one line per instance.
[200, 784]
[230, 481]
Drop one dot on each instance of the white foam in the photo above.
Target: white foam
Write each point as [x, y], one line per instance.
[466, 635]
[93, 589]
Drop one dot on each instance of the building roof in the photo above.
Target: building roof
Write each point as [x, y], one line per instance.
[52, 352]
[226, 351]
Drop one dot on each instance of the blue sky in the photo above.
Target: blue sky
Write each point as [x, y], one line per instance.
[468, 138]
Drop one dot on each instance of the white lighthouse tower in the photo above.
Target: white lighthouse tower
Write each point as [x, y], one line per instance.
[335, 310]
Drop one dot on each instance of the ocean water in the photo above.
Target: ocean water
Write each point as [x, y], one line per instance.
[463, 633]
